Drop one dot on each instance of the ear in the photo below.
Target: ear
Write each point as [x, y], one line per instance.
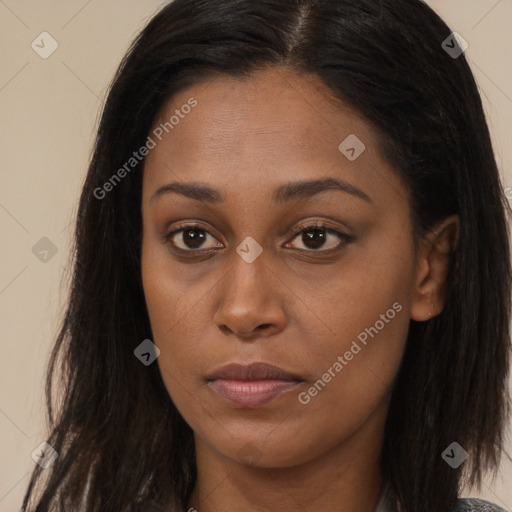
[434, 257]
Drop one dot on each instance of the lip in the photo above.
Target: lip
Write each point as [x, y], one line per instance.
[252, 385]
[253, 371]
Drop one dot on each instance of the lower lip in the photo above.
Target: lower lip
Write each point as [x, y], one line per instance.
[252, 393]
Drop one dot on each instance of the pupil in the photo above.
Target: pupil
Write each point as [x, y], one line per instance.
[314, 238]
[193, 238]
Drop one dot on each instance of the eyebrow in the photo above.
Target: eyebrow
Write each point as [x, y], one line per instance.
[283, 193]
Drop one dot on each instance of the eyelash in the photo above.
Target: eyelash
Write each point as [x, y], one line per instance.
[344, 239]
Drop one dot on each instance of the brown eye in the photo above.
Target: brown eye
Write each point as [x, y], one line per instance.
[314, 238]
[320, 238]
[190, 238]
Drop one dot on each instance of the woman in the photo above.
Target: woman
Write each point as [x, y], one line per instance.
[292, 280]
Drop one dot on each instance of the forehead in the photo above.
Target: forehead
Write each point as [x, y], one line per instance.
[272, 126]
[274, 109]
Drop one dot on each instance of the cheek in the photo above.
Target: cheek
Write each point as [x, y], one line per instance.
[178, 322]
[364, 315]
[352, 374]
[347, 392]
[360, 293]
[170, 298]
[165, 309]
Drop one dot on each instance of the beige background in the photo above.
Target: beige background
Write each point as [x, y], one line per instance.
[49, 115]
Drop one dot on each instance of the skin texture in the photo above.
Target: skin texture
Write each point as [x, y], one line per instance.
[295, 306]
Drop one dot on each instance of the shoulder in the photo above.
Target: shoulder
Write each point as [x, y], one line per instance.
[387, 503]
[476, 505]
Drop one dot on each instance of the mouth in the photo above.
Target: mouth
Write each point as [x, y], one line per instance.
[253, 385]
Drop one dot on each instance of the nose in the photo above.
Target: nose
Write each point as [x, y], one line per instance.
[251, 300]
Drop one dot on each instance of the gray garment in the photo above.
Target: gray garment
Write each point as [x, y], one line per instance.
[387, 504]
[384, 504]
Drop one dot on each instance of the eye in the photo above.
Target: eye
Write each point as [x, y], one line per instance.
[315, 238]
[318, 237]
[191, 238]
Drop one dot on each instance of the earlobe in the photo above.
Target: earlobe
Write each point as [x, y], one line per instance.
[434, 259]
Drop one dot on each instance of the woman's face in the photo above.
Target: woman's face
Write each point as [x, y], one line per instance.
[254, 282]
